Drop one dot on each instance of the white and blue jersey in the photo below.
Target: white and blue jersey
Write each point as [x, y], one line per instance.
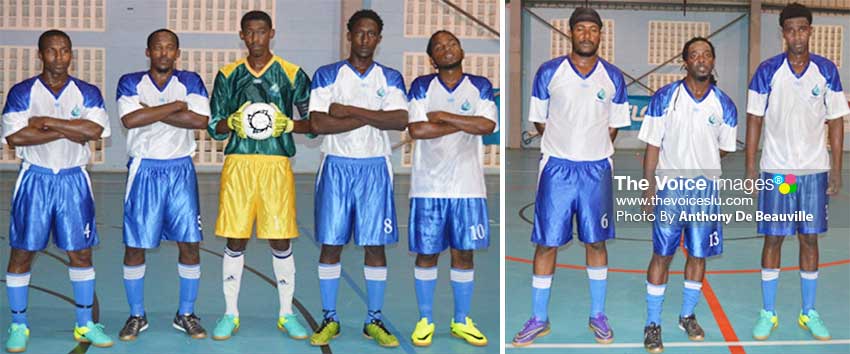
[448, 197]
[795, 108]
[160, 140]
[690, 133]
[53, 191]
[354, 190]
[379, 89]
[575, 171]
[578, 109]
[161, 199]
[76, 100]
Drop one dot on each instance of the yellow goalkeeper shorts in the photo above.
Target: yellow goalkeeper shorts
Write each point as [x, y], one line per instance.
[257, 187]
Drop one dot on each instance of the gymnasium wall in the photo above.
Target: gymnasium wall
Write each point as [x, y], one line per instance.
[631, 44]
[307, 33]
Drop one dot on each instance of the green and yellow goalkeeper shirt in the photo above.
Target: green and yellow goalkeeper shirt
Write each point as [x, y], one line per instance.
[279, 82]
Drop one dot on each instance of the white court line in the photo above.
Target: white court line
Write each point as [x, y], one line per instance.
[772, 343]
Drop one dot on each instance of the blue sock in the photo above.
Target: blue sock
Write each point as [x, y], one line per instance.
[425, 282]
[82, 280]
[190, 279]
[134, 287]
[328, 285]
[17, 288]
[690, 297]
[540, 285]
[654, 302]
[463, 281]
[598, 277]
[808, 287]
[769, 282]
[376, 282]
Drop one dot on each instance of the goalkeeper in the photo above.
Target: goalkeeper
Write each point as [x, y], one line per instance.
[257, 181]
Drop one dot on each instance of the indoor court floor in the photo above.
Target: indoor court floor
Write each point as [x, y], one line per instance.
[51, 311]
[731, 293]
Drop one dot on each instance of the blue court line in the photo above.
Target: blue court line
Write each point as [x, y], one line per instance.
[362, 295]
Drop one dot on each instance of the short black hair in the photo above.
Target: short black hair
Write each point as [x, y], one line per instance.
[42, 39]
[434, 36]
[794, 10]
[163, 30]
[365, 13]
[255, 15]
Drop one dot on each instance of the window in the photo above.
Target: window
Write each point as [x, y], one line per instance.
[827, 41]
[666, 39]
[561, 45]
[418, 64]
[657, 81]
[424, 17]
[75, 15]
[213, 16]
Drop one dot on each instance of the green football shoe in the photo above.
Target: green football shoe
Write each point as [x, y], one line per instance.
[327, 331]
[92, 333]
[376, 330]
[289, 324]
[765, 325]
[423, 333]
[226, 327]
[467, 331]
[812, 323]
[19, 334]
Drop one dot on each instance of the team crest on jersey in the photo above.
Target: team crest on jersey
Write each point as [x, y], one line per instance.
[713, 121]
[600, 95]
[274, 91]
[381, 93]
[816, 91]
[465, 107]
[76, 112]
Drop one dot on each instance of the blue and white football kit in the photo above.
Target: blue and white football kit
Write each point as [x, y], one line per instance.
[690, 134]
[53, 191]
[575, 171]
[795, 108]
[354, 185]
[448, 198]
[161, 200]
[354, 191]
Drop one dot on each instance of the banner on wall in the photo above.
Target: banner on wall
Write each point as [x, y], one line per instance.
[637, 108]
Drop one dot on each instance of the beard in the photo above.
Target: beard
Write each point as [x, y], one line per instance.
[162, 69]
[588, 53]
[450, 66]
[702, 78]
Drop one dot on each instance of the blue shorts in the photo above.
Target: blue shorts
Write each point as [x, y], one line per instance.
[45, 202]
[437, 223]
[573, 188]
[810, 197]
[355, 195]
[161, 202]
[702, 238]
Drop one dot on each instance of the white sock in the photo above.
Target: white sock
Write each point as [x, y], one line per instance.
[231, 272]
[283, 263]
